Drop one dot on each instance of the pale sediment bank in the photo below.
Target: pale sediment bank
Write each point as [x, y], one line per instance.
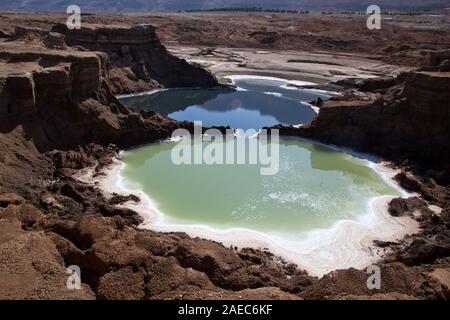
[299, 83]
[288, 84]
[318, 67]
[348, 243]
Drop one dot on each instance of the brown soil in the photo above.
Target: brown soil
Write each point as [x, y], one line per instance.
[58, 115]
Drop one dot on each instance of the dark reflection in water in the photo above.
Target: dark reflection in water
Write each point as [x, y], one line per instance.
[257, 104]
[173, 100]
[320, 155]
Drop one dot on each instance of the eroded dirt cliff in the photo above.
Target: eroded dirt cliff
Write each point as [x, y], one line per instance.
[139, 62]
[403, 118]
[58, 115]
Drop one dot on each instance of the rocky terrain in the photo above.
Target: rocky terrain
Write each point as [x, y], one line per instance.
[403, 39]
[136, 59]
[139, 62]
[58, 115]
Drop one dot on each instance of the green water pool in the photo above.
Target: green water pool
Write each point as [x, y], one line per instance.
[316, 186]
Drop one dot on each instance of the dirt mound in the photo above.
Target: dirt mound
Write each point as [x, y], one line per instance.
[120, 262]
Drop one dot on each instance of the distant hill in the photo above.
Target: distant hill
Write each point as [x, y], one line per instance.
[180, 5]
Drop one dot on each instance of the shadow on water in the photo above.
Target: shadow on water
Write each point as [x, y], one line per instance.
[149, 151]
[320, 160]
[173, 100]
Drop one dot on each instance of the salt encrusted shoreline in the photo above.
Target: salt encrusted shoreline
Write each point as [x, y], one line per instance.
[349, 243]
[254, 77]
